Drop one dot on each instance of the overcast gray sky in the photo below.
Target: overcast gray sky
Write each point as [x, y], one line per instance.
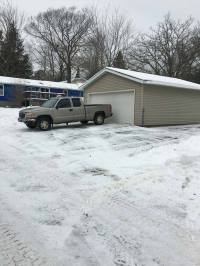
[145, 13]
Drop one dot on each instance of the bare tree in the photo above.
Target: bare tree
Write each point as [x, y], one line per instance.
[46, 61]
[64, 30]
[10, 14]
[110, 34]
[93, 57]
[170, 49]
[118, 32]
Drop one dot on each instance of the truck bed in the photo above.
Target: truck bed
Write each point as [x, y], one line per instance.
[91, 109]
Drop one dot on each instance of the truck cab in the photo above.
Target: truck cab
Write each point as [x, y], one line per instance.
[69, 109]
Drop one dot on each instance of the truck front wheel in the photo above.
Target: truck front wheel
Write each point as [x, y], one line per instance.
[31, 125]
[99, 119]
[44, 123]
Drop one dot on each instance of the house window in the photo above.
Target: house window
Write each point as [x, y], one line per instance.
[45, 93]
[45, 90]
[1, 90]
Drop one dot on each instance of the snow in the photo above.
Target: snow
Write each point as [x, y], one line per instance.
[113, 195]
[38, 83]
[146, 78]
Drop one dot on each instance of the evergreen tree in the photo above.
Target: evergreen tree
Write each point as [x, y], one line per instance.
[14, 61]
[119, 61]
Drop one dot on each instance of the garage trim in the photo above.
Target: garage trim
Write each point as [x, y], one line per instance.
[104, 92]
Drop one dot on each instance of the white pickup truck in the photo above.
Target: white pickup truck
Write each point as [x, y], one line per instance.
[64, 110]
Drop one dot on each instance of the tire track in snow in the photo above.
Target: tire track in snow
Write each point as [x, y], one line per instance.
[14, 251]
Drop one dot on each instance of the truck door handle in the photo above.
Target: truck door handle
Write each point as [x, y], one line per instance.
[70, 109]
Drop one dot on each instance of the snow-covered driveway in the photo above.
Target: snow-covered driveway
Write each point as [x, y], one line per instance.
[99, 196]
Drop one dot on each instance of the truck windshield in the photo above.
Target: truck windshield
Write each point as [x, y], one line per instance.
[50, 103]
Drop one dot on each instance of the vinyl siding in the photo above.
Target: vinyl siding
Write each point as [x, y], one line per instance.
[8, 93]
[13, 96]
[170, 106]
[110, 82]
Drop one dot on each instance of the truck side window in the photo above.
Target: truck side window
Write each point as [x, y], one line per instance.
[76, 102]
[64, 103]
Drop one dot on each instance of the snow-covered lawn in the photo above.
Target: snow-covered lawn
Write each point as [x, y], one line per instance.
[111, 195]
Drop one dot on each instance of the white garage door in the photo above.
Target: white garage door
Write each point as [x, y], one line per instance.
[122, 104]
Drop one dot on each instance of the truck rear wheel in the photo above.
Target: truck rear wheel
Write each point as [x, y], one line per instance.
[99, 119]
[44, 123]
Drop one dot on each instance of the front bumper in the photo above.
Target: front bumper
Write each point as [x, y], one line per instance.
[25, 120]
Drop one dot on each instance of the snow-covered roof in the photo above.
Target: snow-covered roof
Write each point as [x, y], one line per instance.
[38, 83]
[79, 84]
[145, 78]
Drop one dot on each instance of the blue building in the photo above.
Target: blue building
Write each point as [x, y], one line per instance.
[16, 92]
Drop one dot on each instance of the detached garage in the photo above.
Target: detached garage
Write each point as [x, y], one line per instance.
[144, 99]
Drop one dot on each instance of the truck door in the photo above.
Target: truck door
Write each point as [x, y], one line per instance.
[78, 109]
[63, 112]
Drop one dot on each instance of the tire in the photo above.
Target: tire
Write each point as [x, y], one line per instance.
[99, 119]
[44, 123]
[84, 122]
[31, 125]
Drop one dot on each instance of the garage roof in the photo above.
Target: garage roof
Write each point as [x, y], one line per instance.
[145, 78]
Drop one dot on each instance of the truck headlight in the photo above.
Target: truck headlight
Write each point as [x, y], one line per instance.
[30, 115]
